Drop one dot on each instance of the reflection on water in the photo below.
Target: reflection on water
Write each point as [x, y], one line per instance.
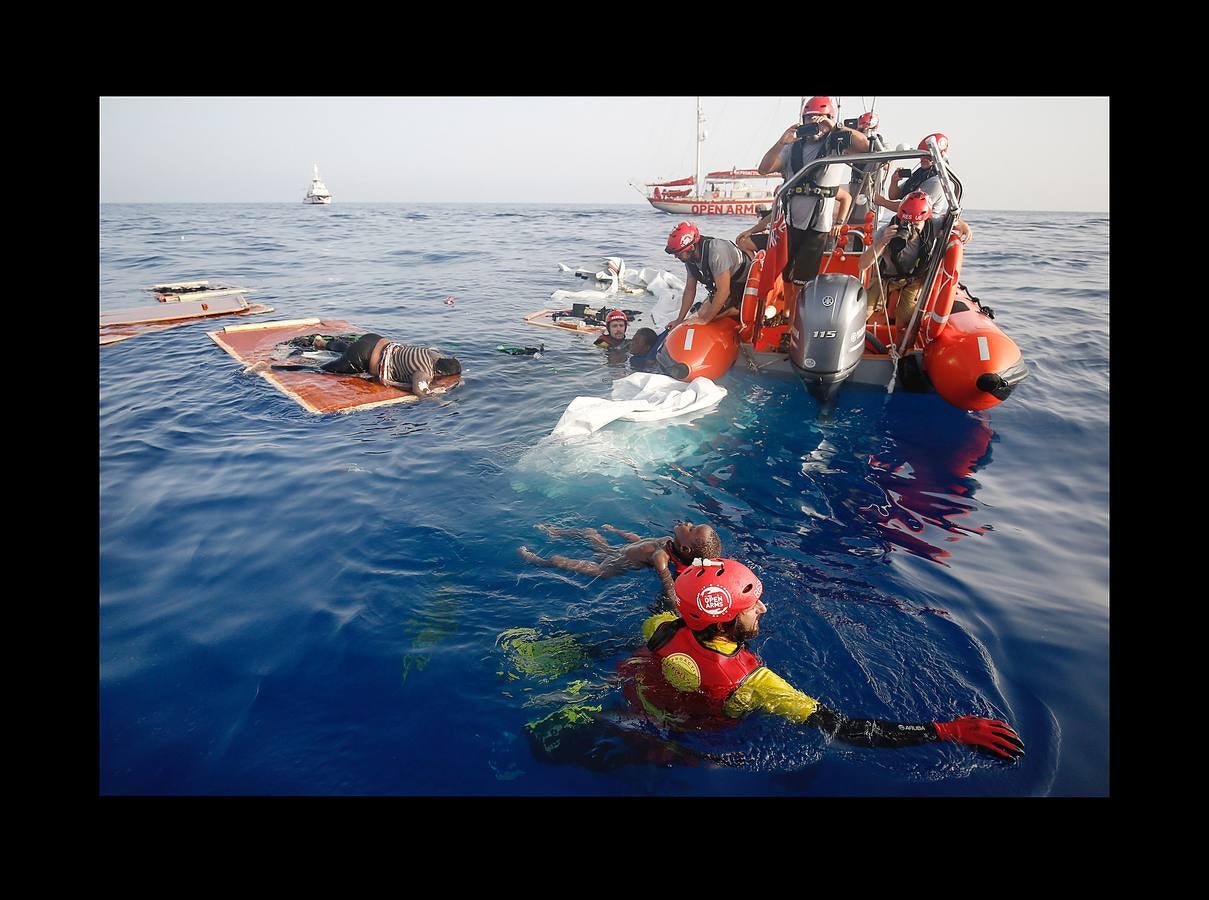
[925, 479]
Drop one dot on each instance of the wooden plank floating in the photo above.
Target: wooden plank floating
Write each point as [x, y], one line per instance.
[572, 325]
[200, 295]
[178, 286]
[202, 289]
[281, 323]
[315, 392]
[191, 309]
[113, 334]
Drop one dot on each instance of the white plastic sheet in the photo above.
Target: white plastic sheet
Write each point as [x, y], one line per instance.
[641, 397]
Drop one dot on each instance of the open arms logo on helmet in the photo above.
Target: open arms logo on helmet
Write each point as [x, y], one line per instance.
[616, 316]
[683, 235]
[715, 590]
[714, 600]
[867, 121]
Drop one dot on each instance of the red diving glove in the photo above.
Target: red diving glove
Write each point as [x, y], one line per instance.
[991, 734]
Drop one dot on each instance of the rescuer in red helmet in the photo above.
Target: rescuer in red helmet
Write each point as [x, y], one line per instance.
[715, 262]
[926, 179]
[819, 203]
[911, 239]
[614, 337]
[696, 671]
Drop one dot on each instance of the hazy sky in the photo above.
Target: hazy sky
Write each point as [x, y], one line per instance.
[1042, 153]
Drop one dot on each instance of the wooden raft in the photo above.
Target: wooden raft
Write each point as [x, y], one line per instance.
[569, 324]
[316, 392]
[123, 324]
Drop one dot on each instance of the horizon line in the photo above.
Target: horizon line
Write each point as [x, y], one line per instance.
[480, 203]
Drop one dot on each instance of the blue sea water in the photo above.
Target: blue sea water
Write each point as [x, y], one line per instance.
[293, 604]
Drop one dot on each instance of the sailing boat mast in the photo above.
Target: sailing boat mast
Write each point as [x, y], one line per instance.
[700, 141]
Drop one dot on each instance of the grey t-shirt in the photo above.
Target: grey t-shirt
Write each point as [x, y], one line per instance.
[724, 256]
[936, 193]
[801, 206]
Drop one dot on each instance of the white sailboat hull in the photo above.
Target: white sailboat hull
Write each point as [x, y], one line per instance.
[698, 206]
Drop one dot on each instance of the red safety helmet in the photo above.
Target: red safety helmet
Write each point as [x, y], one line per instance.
[942, 144]
[916, 207]
[715, 590]
[867, 121]
[616, 316]
[818, 106]
[683, 236]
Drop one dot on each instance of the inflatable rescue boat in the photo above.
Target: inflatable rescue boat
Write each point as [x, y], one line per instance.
[951, 345]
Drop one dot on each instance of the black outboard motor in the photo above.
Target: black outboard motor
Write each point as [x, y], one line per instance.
[828, 335]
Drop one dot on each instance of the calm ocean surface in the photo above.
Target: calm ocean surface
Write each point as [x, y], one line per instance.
[293, 604]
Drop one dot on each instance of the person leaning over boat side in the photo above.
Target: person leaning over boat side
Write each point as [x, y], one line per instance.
[715, 262]
[820, 203]
[926, 179]
[911, 239]
[695, 671]
[404, 366]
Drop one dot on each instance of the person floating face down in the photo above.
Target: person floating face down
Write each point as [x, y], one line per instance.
[403, 366]
[614, 337]
[666, 554]
[715, 262]
[902, 250]
[696, 671]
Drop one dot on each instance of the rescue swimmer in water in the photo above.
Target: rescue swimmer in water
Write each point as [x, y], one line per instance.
[696, 672]
[614, 337]
[667, 555]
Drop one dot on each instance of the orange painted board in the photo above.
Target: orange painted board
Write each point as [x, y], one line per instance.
[316, 392]
[543, 317]
[112, 334]
[167, 312]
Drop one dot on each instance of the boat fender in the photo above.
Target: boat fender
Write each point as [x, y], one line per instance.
[692, 350]
[1000, 384]
[911, 374]
[940, 304]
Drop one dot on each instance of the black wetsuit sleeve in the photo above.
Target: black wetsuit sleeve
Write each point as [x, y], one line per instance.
[872, 732]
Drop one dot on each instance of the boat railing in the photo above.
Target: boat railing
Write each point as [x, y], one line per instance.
[848, 159]
[953, 194]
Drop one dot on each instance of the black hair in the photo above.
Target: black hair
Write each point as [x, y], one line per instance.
[447, 365]
[647, 334]
[710, 546]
